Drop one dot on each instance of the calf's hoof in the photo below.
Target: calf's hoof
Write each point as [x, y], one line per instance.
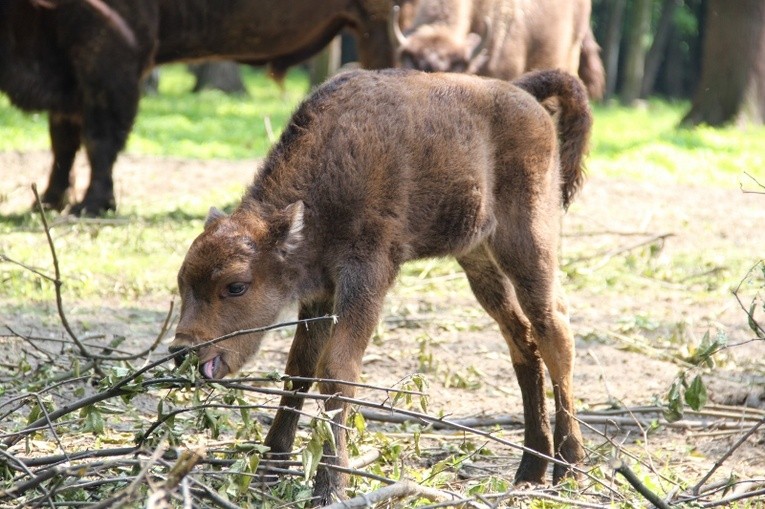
[572, 453]
[562, 473]
[328, 487]
[531, 470]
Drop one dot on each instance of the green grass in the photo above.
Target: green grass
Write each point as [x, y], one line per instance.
[177, 123]
[645, 144]
[640, 143]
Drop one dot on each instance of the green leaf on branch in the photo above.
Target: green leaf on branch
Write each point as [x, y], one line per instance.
[94, 421]
[673, 411]
[696, 394]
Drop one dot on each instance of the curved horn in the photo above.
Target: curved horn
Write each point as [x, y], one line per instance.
[394, 26]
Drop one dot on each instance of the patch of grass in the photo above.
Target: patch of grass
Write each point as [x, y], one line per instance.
[645, 144]
[122, 261]
[176, 122]
[212, 124]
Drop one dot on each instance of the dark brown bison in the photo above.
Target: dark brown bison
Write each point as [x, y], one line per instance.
[67, 58]
[378, 168]
[502, 38]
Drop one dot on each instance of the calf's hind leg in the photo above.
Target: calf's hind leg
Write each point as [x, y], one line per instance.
[496, 295]
[528, 255]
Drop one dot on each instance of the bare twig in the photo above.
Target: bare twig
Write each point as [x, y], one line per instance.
[538, 494]
[741, 185]
[757, 328]
[128, 495]
[57, 278]
[734, 498]
[26, 267]
[25, 469]
[620, 467]
[606, 256]
[727, 454]
[118, 389]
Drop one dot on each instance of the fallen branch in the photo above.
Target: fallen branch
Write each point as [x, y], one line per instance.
[727, 455]
[399, 490]
[620, 467]
[609, 254]
[187, 461]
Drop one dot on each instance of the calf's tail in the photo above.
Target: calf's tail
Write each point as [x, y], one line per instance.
[574, 122]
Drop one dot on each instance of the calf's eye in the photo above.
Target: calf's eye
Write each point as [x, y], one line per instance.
[236, 289]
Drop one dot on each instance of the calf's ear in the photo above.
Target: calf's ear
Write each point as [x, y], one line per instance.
[289, 228]
[212, 216]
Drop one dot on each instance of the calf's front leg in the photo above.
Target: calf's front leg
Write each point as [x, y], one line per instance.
[358, 303]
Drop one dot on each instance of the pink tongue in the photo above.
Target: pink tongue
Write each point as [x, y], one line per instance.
[209, 367]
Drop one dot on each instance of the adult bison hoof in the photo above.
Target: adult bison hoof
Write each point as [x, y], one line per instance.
[93, 208]
[52, 200]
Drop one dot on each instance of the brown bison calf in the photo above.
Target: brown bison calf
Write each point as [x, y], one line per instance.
[378, 168]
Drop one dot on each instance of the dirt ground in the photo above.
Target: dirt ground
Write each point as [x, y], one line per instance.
[446, 331]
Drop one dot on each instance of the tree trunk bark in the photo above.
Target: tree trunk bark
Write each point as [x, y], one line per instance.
[637, 46]
[732, 85]
[612, 44]
[223, 76]
[658, 49]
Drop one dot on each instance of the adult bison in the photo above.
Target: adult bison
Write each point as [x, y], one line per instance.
[82, 63]
[376, 169]
[502, 38]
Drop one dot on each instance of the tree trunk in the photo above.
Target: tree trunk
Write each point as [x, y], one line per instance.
[637, 46]
[612, 44]
[224, 76]
[732, 85]
[658, 50]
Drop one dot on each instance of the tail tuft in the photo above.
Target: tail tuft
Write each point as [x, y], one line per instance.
[574, 125]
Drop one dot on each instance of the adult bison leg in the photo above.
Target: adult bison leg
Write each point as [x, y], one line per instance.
[532, 270]
[376, 50]
[64, 133]
[109, 112]
[360, 293]
[495, 293]
[302, 360]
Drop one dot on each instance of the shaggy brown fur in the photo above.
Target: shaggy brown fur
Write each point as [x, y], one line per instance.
[502, 39]
[378, 168]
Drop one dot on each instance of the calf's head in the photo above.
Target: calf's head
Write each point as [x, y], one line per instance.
[238, 274]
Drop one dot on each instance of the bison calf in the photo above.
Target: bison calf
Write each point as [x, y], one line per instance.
[378, 168]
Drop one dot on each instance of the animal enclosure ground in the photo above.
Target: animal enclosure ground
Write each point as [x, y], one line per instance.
[649, 269]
